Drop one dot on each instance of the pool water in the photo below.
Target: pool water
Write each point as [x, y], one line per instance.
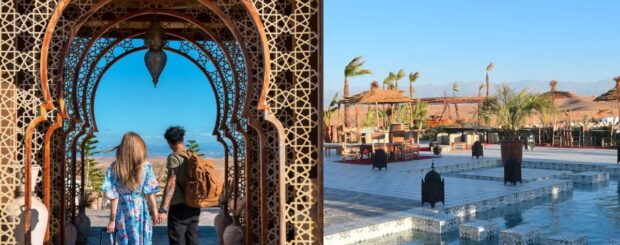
[593, 210]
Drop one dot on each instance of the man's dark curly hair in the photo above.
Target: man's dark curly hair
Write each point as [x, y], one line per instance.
[174, 134]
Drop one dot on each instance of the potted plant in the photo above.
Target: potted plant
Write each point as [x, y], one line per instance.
[511, 109]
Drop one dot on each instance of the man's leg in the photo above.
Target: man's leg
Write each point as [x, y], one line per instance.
[191, 233]
[176, 225]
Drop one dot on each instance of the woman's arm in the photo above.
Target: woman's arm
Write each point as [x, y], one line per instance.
[150, 198]
[113, 206]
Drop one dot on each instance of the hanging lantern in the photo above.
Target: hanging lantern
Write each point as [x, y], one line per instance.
[155, 57]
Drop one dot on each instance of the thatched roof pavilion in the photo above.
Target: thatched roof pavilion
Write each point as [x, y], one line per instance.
[555, 94]
[377, 96]
[611, 94]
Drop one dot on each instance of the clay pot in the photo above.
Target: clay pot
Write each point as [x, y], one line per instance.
[82, 223]
[233, 235]
[39, 215]
[220, 222]
[70, 234]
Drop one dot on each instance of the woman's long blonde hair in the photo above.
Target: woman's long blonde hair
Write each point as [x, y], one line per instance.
[130, 155]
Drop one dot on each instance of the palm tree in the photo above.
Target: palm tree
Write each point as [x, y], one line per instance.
[455, 89]
[412, 78]
[617, 79]
[478, 117]
[327, 115]
[397, 77]
[511, 109]
[419, 115]
[353, 69]
[489, 69]
[389, 81]
[480, 88]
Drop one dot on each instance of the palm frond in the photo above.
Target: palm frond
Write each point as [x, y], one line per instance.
[511, 109]
[414, 76]
[354, 68]
[490, 67]
[334, 100]
[400, 74]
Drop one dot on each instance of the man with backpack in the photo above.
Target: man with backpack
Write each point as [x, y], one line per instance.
[182, 219]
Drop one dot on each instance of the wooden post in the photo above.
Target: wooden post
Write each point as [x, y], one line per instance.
[338, 115]
[344, 138]
[357, 123]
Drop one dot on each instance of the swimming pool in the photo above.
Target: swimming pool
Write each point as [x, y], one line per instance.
[593, 210]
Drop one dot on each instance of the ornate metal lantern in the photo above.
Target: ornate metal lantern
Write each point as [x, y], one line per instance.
[433, 190]
[477, 150]
[155, 57]
[379, 160]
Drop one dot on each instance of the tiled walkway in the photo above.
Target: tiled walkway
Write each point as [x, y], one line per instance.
[400, 184]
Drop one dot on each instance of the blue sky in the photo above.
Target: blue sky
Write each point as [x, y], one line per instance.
[126, 100]
[449, 41]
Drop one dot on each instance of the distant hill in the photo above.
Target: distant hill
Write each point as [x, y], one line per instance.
[471, 88]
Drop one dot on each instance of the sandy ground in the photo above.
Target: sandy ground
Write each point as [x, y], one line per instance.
[158, 162]
[575, 108]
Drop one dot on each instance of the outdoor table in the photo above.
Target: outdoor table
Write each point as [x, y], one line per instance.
[332, 146]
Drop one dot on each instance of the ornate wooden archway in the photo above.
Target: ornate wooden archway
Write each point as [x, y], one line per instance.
[266, 57]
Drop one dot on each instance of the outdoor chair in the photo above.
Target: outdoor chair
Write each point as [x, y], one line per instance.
[379, 160]
[410, 151]
[365, 150]
[351, 153]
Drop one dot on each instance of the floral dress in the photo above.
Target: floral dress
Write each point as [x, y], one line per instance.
[133, 221]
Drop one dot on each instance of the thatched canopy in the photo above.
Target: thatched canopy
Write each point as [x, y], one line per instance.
[555, 94]
[377, 96]
[611, 94]
[607, 96]
[452, 100]
[560, 94]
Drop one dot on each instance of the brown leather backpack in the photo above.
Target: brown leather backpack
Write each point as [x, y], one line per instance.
[203, 184]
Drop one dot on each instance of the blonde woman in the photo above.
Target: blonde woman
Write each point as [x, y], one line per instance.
[131, 186]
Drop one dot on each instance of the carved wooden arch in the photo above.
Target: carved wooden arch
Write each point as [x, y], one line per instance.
[234, 171]
[44, 75]
[96, 61]
[108, 65]
[91, 43]
[206, 30]
[82, 132]
[93, 89]
[60, 8]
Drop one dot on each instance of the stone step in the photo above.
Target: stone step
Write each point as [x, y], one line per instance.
[566, 238]
[589, 177]
[521, 234]
[418, 219]
[612, 242]
[479, 230]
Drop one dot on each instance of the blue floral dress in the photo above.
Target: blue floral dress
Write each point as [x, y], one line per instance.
[133, 221]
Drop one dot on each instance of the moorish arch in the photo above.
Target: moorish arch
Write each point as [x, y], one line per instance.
[274, 51]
